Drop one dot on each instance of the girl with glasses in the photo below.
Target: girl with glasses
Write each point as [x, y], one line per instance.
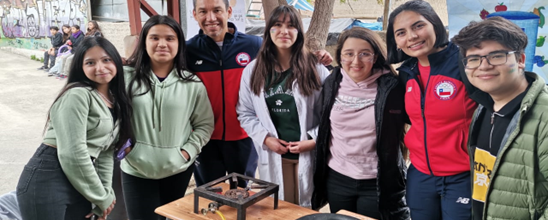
[360, 163]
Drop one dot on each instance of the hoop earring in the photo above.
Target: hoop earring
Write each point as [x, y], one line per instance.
[398, 49]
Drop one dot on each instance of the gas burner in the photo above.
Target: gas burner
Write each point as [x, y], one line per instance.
[237, 194]
[235, 197]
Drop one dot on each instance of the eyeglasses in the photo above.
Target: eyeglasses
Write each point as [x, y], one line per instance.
[349, 57]
[494, 59]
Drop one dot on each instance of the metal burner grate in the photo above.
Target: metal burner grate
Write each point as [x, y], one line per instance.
[237, 194]
[236, 197]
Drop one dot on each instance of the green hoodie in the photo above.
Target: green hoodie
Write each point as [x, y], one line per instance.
[81, 127]
[176, 116]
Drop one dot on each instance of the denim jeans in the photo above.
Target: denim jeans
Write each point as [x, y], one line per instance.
[44, 192]
[49, 58]
[359, 196]
[119, 211]
[143, 196]
[9, 209]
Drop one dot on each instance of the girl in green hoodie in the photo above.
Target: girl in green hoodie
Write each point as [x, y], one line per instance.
[71, 171]
[172, 120]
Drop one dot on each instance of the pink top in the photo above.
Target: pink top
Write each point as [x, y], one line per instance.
[353, 129]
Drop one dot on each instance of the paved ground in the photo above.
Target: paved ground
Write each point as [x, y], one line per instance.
[25, 97]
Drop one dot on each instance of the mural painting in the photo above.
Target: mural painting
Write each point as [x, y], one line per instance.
[463, 11]
[25, 23]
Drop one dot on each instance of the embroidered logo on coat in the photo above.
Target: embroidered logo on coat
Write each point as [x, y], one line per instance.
[243, 59]
[445, 90]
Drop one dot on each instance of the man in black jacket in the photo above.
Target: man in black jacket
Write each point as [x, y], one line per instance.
[56, 42]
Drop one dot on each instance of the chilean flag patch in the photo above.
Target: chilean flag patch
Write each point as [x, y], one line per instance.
[445, 90]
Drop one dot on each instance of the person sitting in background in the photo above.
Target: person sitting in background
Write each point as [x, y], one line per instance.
[66, 33]
[74, 40]
[93, 30]
[56, 42]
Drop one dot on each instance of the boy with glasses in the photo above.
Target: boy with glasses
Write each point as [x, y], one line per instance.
[508, 143]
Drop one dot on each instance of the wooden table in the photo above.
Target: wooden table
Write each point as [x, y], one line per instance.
[183, 209]
[355, 215]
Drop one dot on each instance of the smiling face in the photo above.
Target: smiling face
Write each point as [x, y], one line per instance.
[415, 35]
[98, 66]
[357, 58]
[162, 44]
[91, 26]
[66, 30]
[212, 16]
[499, 79]
[283, 33]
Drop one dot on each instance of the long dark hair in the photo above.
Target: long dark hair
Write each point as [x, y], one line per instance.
[77, 78]
[302, 61]
[141, 61]
[96, 28]
[423, 8]
[66, 35]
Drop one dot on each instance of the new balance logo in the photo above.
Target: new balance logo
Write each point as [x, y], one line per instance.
[463, 200]
[198, 62]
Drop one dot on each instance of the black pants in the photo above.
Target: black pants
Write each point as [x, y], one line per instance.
[119, 211]
[359, 196]
[219, 157]
[143, 196]
[44, 192]
[49, 58]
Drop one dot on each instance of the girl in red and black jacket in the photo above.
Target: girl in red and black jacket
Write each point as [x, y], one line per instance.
[439, 110]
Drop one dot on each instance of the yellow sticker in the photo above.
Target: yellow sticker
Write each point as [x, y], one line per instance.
[483, 166]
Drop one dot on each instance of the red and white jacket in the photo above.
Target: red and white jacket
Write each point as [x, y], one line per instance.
[221, 71]
[440, 115]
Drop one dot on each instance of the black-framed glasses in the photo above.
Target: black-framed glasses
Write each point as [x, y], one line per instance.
[494, 59]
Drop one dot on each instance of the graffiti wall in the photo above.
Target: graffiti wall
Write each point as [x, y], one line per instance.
[25, 23]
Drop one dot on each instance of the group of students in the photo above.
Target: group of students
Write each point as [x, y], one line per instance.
[340, 138]
[63, 45]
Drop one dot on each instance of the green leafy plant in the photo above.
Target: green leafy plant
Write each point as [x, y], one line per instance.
[33, 57]
[41, 59]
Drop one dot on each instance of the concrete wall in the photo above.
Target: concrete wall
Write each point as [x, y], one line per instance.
[25, 23]
[371, 9]
[115, 33]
